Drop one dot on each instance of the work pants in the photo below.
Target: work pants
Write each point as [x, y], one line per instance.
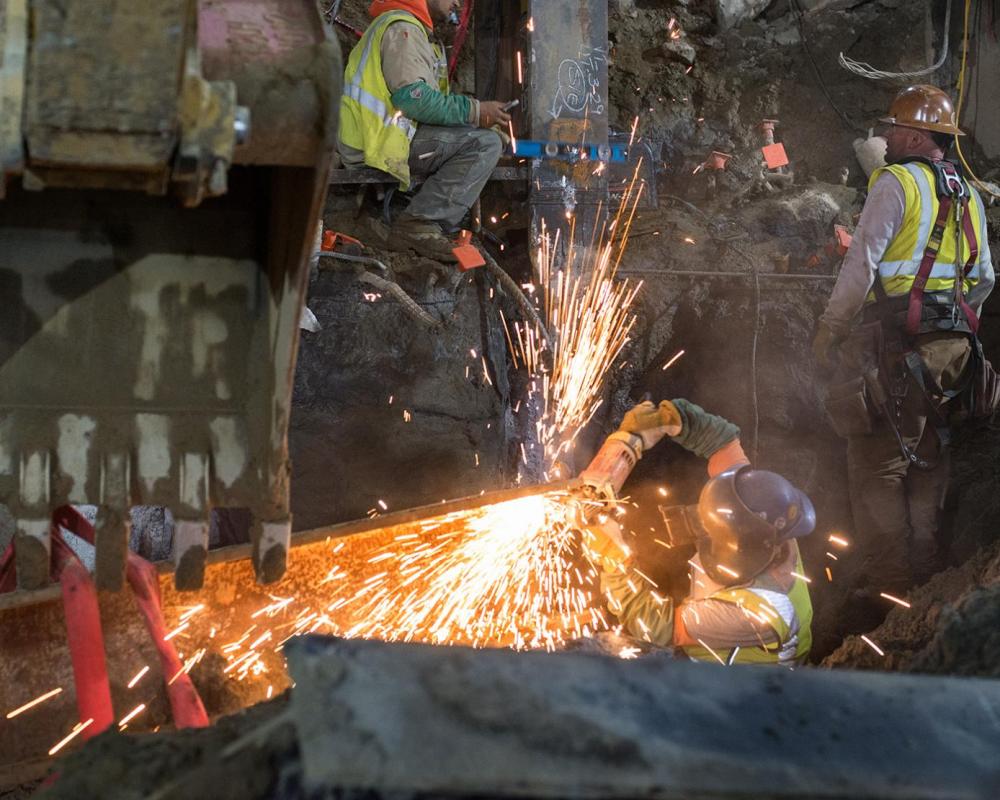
[455, 163]
[896, 505]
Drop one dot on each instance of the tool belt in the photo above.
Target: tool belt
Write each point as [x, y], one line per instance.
[936, 314]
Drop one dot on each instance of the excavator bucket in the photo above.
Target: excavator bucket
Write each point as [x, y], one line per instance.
[163, 170]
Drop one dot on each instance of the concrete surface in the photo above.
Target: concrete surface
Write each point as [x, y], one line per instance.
[458, 722]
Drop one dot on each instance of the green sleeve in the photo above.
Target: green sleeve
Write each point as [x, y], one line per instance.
[643, 614]
[423, 103]
[702, 433]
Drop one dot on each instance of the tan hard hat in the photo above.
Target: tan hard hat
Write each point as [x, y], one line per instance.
[924, 107]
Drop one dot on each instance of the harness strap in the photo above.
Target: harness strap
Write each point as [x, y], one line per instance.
[970, 234]
[926, 265]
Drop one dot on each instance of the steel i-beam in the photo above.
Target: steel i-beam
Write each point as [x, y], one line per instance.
[567, 103]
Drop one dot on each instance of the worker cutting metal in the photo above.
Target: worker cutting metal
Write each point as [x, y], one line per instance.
[748, 601]
[900, 328]
[398, 115]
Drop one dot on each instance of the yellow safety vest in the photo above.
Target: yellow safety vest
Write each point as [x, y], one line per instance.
[901, 260]
[368, 120]
[788, 613]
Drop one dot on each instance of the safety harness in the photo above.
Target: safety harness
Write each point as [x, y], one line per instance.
[953, 199]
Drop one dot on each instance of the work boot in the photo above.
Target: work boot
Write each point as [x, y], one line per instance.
[423, 236]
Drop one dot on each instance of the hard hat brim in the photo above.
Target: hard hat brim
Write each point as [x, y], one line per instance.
[934, 127]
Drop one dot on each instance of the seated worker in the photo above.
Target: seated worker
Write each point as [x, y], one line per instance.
[397, 114]
[747, 603]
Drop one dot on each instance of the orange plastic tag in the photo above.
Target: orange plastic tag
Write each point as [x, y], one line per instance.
[333, 239]
[468, 257]
[844, 238]
[774, 155]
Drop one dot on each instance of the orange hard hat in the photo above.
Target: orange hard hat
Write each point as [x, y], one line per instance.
[924, 107]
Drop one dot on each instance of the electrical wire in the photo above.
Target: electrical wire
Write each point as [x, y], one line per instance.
[866, 70]
[981, 185]
[798, 14]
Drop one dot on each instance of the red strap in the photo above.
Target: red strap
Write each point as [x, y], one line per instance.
[970, 234]
[8, 577]
[186, 705]
[915, 309]
[86, 640]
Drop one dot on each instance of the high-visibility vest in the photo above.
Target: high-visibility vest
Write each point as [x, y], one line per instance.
[789, 614]
[901, 260]
[368, 120]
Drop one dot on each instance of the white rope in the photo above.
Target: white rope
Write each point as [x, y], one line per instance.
[866, 70]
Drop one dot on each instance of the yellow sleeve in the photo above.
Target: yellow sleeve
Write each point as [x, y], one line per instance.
[643, 613]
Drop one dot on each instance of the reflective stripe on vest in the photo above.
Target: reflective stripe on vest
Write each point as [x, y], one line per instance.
[788, 614]
[782, 603]
[368, 120]
[901, 260]
[376, 106]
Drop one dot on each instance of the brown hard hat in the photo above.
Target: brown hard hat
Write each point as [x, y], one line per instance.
[924, 107]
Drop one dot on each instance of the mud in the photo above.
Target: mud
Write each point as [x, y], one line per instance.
[952, 628]
[226, 757]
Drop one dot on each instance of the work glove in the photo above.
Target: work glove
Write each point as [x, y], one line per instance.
[702, 433]
[826, 341]
[651, 423]
[491, 113]
[604, 541]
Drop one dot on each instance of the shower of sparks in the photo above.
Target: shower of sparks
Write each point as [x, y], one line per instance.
[587, 312]
[503, 577]
[511, 574]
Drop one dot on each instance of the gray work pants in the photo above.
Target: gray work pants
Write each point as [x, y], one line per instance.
[897, 506]
[455, 163]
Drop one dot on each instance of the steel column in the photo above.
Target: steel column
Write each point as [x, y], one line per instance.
[567, 103]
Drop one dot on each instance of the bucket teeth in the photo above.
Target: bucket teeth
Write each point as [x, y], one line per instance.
[33, 549]
[190, 550]
[111, 535]
[271, 541]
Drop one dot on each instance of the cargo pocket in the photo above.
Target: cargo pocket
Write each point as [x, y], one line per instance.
[847, 407]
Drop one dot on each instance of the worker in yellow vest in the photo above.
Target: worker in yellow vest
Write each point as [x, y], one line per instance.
[398, 115]
[748, 601]
[899, 337]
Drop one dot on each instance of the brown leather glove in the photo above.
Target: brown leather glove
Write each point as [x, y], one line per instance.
[826, 341]
[491, 113]
[651, 423]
